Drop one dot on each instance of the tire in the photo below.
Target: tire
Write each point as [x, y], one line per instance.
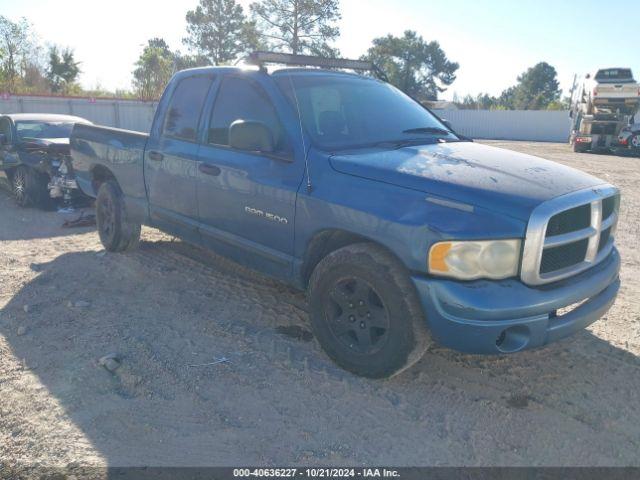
[29, 187]
[634, 142]
[365, 312]
[117, 232]
[577, 148]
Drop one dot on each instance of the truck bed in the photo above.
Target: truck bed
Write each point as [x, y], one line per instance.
[98, 150]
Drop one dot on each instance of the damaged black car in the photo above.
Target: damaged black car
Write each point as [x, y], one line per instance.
[35, 160]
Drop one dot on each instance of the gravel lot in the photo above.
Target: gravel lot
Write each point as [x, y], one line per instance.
[170, 311]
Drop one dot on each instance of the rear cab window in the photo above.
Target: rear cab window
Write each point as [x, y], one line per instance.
[614, 75]
[183, 115]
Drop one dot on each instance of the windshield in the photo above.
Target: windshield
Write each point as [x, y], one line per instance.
[40, 129]
[342, 112]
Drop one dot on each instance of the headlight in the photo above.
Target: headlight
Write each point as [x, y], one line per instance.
[494, 259]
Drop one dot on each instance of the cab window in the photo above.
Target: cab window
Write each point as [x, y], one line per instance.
[183, 115]
[241, 99]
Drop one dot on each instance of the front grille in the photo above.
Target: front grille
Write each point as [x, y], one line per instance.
[568, 234]
[564, 256]
[609, 205]
[604, 239]
[570, 221]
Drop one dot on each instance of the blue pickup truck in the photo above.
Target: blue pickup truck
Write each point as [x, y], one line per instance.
[401, 231]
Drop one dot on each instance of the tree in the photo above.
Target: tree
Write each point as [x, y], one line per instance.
[218, 30]
[153, 70]
[483, 101]
[63, 70]
[507, 98]
[537, 88]
[298, 26]
[15, 48]
[419, 68]
[34, 78]
[182, 62]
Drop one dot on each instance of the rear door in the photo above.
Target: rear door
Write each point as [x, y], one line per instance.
[171, 157]
[246, 200]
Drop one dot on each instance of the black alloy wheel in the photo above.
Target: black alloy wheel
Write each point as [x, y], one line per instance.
[357, 316]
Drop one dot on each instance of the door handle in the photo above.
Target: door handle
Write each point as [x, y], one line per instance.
[156, 156]
[209, 169]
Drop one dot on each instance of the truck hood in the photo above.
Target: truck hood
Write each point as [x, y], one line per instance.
[500, 180]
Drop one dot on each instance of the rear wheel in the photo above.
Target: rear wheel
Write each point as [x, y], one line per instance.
[634, 142]
[30, 187]
[365, 312]
[117, 232]
[578, 148]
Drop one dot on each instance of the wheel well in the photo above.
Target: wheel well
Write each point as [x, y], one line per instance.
[99, 175]
[326, 242]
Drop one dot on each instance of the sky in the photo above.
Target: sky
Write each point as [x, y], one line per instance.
[493, 40]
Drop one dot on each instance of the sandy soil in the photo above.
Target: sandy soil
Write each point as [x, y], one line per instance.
[170, 311]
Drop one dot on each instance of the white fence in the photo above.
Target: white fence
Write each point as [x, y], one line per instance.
[544, 126]
[532, 125]
[128, 114]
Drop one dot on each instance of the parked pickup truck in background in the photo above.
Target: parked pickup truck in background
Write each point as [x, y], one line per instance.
[34, 156]
[610, 89]
[400, 230]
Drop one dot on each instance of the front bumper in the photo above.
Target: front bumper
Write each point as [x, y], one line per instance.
[612, 100]
[60, 184]
[508, 316]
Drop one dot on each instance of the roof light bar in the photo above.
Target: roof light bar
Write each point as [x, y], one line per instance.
[260, 58]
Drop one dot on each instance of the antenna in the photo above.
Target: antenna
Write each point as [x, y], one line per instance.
[304, 147]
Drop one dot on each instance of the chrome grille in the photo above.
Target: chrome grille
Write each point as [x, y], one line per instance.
[568, 234]
[564, 256]
[570, 221]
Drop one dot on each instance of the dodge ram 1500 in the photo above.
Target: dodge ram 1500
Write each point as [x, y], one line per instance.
[400, 230]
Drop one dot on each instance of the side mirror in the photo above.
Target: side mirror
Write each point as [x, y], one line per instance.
[3, 139]
[251, 136]
[447, 124]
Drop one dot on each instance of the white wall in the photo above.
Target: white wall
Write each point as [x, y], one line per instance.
[127, 114]
[533, 125]
[544, 126]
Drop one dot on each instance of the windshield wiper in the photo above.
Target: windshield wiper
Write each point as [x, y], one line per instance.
[410, 142]
[436, 130]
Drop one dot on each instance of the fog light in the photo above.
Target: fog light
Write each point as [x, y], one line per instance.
[513, 339]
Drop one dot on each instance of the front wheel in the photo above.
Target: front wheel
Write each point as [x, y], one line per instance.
[29, 187]
[117, 232]
[365, 312]
[634, 142]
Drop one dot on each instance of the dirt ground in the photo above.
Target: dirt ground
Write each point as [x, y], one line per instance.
[218, 366]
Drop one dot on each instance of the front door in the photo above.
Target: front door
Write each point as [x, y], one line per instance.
[246, 200]
[171, 159]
